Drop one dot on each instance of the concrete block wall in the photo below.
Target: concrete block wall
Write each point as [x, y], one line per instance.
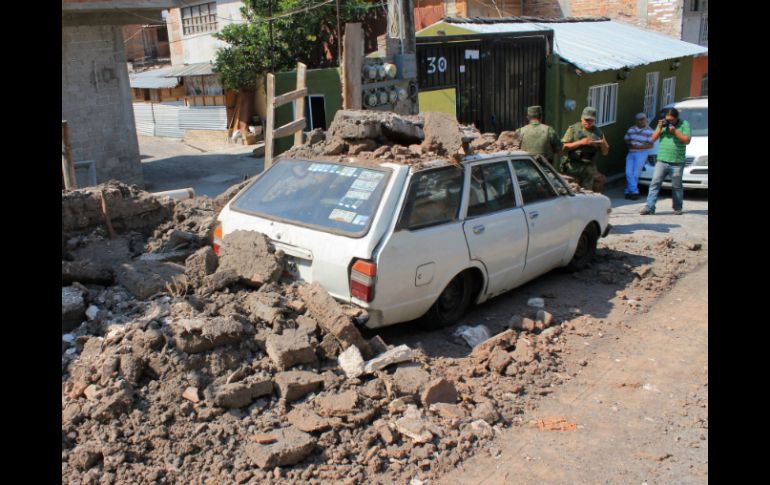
[96, 101]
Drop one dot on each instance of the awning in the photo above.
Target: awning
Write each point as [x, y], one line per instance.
[199, 69]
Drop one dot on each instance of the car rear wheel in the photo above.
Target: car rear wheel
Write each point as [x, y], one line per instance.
[451, 304]
[586, 248]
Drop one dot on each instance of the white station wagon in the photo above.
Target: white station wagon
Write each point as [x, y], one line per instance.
[404, 242]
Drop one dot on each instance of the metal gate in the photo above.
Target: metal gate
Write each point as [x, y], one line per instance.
[495, 79]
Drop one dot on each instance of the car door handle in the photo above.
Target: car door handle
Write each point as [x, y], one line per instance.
[534, 214]
[478, 229]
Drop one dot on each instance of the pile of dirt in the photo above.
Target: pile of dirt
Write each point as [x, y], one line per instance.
[217, 369]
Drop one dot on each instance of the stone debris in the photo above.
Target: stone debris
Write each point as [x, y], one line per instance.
[438, 391]
[250, 255]
[308, 421]
[191, 394]
[340, 404]
[504, 340]
[290, 348]
[239, 394]
[410, 380]
[414, 425]
[86, 272]
[402, 353]
[449, 411]
[73, 307]
[293, 385]
[290, 446]
[351, 362]
[473, 336]
[195, 335]
[146, 278]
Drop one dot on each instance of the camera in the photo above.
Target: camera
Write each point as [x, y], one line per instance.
[666, 124]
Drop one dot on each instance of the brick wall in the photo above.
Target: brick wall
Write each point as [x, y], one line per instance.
[133, 38]
[507, 8]
[543, 8]
[174, 24]
[96, 102]
[665, 16]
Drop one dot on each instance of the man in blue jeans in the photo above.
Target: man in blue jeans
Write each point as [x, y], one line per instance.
[674, 137]
[639, 144]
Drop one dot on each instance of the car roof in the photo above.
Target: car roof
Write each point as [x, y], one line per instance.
[692, 103]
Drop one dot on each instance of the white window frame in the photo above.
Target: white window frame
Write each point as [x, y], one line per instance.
[651, 94]
[669, 91]
[604, 97]
[195, 21]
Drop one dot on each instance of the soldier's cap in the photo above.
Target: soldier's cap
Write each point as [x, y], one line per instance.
[589, 113]
[641, 116]
[535, 111]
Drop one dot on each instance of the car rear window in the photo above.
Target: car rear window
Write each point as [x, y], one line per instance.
[698, 118]
[324, 195]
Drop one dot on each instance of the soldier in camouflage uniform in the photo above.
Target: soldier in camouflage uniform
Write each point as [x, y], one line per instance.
[538, 138]
[581, 142]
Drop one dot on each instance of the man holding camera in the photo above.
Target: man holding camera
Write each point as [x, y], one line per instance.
[581, 142]
[674, 135]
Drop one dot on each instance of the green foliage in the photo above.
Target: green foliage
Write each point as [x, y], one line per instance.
[309, 37]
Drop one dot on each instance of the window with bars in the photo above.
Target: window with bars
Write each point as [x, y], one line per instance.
[604, 98]
[200, 18]
[669, 91]
[704, 30]
[704, 85]
[651, 94]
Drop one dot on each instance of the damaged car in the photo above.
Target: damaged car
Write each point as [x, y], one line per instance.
[422, 240]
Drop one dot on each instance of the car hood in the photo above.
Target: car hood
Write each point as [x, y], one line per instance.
[699, 145]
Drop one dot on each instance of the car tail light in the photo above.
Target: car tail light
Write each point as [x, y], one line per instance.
[217, 243]
[362, 279]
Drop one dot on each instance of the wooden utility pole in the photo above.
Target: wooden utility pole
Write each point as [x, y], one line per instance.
[67, 163]
[352, 62]
[295, 127]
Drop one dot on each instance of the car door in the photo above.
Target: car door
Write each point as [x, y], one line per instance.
[548, 216]
[495, 226]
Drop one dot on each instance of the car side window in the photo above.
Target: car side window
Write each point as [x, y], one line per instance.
[534, 187]
[491, 189]
[433, 198]
[549, 172]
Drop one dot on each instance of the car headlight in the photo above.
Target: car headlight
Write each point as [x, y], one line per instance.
[701, 161]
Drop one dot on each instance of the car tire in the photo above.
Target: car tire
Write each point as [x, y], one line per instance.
[451, 304]
[585, 250]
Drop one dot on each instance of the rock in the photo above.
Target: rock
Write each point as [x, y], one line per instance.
[191, 394]
[146, 278]
[439, 391]
[545, 317]
[449, 411]
[524, 352]
[402, 353]
[694, 246]
[335, 146]
[329, 348]
[92, 392]
[316, 136]
[385, 432]
[518, 323]
[508, 140]
[442, 135]
[363, 146]
[306, 324]
[351, 362]
[340, 404]
[292, 385]
[396, 406]
[250, 255]
[483, 141]
[239, 394]
[132, 368]
[504, 340]
[263, 439]
[73, 308]
[374, 389]
[377, 345]
[330, 316]
[402, 130]
[264, 306]
[355, 125]
[92, 312]
[414, 425]
[550, 332]
[195, 335]
[416, 150]
[410, 380]
[498, 360]
[291, 447]
[290, 348]
[473, 336]
[486, 411]
[381, 151]
[481, 429]
[306, 420]
[86, 272]
[220, 280]
[200, 264]
[116, 403]
[536, 302]
[86, 456]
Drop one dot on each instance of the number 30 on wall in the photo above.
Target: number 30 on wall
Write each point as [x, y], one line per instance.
[432, 64]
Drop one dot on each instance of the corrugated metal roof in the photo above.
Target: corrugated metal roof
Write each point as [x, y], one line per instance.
[153, 79]
[595, 45]
[199, 69]
[203, 118]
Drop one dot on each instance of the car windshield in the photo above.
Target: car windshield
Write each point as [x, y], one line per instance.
[698, 119]
[328, 196]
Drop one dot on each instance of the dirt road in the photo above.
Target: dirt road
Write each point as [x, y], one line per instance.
[640, 407]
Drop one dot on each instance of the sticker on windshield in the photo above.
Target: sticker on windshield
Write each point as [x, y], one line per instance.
[342, 215]
[366, 185]
[370, 175]
[349, 171]
[314, 168]
[357, 194]
[361, 220]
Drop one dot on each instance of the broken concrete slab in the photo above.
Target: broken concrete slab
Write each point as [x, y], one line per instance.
[498, 360]
[329, 348]
[403, 130]
[330, 316]
[351, 362]
[504, 340]
[290, 348]
[264, 306]
[362, 146]
[146, 278]
[73, 308]
[449, 411]
[438, 391]
[402, 353]
[307, 325]
[377, 345]
[414, 425]
[410, 380]
[291, 447]
[292, 385]
[442, 135]
[341, 404]
[239, 394]
[250, 255]
[86, 272]
[200, 264]
[195, 335]
[308, 421]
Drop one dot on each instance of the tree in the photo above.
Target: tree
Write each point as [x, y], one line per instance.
[301, 33]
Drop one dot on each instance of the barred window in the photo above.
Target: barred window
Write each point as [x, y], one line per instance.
[604, 97]
[200, 18]
[669, 91]
[651, 95]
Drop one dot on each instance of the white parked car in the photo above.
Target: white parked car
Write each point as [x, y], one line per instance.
[403, 242]
[696, 170]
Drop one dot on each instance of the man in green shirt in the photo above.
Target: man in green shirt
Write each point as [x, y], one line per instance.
[581, 143]
[674, 137]
[538, 138]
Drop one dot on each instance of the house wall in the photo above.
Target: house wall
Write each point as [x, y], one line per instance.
[546, 8]
[174, 26]
[478, 8]
[427, 12]
[630, 101]
[96, 101]
[199, 47]
[700, 66]
[133, 41]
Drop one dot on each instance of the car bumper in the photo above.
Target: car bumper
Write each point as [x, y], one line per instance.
[694, 177]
